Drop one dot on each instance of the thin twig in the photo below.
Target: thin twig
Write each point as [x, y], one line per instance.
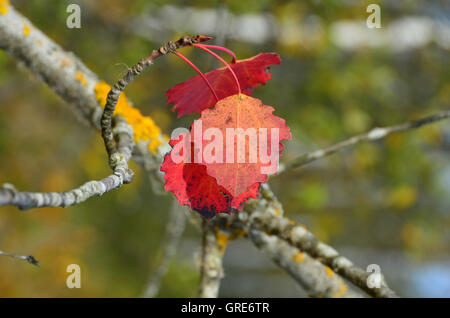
[271, 221]
[202, 257]
[46, 60]
[30, 259]
[315, 278]
[119, 86]
[174, 230]
[268, 207]
[372, 135]
[28, 200]
[211, 267]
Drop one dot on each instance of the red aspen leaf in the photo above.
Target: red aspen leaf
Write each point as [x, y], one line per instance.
[193, 187]
[247, 161]
[211, 184]
[192, 96]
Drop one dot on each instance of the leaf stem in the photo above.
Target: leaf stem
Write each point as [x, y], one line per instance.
[221, 48]
[198, 71]
[223, 61]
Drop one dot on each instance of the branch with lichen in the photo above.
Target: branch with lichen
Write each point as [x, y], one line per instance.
[270, 220]
[66, 75]
[114, 94]
[29, 258]
[121, 175]
[174, 229]
[119, 145]
[119, 153]
[372, 135]
[216, 235]
[77, 85]
[211, 267]
[315, 278]
[298, 262]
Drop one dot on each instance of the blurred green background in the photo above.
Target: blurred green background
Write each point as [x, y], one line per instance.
[385, 203]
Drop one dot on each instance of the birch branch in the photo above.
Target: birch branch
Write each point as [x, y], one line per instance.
[372, 135]
[30, 259]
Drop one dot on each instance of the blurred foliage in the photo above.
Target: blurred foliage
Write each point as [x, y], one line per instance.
[392, 194]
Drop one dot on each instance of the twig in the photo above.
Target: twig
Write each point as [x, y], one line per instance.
[211, 267]
[316, 279]
[272, 222]
[111, 101]
[174, 230]
[59, 70]
[45, 58]
[28, 200]
[372, 135]
[296, 261]
[30, 259]
[119, 86]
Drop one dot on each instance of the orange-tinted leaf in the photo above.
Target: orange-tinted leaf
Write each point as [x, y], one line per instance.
[250, 115]
[193, 95]
[193, 187]
[210, 184]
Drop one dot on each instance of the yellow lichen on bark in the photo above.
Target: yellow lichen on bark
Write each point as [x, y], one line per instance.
[237, 233]
[222, 240]
[329, 271]
[81, 78]
[4, 6]
[26, 30]
[65, 62]
[144, 127]
[342, 289]
[299, 257]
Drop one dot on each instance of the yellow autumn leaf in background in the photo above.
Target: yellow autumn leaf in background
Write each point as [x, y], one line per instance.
[403, 197]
